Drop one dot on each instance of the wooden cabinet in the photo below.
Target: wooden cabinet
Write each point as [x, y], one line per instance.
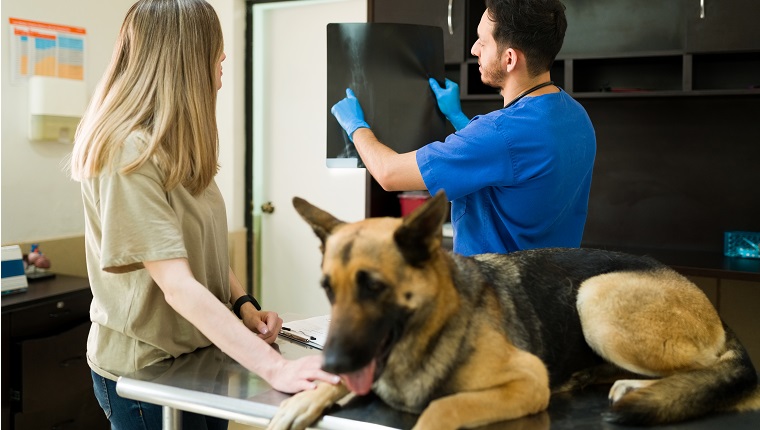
[672, 97]
[447, 14]
[622, 27]
[722, 25]
[618, 48]
[623, 48]
[46, 380]
[736, 302]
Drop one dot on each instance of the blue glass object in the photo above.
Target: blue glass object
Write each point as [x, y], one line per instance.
[745, 244]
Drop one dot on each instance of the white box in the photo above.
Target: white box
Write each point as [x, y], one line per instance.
[13, 272]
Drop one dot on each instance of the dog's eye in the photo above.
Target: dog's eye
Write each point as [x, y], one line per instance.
[368, 286]
[328, 288]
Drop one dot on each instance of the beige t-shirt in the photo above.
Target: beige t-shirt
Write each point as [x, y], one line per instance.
[130, 219]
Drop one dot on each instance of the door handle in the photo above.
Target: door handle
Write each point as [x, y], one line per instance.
[267, 208]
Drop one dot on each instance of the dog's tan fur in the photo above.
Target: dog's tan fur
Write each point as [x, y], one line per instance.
[471, 341]
[678, 307]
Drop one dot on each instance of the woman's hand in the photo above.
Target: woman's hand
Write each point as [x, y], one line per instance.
[292, 376]
[266, 324]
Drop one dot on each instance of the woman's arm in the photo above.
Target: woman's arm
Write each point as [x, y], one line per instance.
[196, 304]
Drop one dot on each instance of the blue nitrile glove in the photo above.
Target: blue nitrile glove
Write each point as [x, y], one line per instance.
[448, 102]
[349, 114]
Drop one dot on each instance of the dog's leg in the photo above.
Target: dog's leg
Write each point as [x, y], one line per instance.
[606, 373]
[302, 409]
[524, 392]
[476, 408]
[658, 324]
[623, 386]
[652, 323]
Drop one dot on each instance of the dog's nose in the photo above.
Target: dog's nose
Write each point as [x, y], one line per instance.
[338, 363]
[343, 357]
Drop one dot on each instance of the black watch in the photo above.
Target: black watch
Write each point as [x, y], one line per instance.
[243, 300]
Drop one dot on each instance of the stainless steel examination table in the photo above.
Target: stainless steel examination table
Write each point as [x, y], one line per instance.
[209, 382]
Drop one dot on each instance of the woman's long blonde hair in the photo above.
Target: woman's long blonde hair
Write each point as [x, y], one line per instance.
[161, 80]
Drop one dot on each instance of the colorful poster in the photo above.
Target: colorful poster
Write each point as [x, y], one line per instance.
[45, 49]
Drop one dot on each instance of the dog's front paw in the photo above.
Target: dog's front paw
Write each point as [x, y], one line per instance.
[623, 386]
[304, 408]
[295, 413]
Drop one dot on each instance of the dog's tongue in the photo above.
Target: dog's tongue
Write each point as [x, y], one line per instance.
[360, 382]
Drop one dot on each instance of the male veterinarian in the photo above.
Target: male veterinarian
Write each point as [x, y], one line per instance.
[518, 177]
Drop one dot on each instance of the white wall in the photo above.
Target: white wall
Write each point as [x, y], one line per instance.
[230, 112]
[39, 202]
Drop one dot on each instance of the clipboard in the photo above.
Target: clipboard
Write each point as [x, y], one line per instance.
[311, 332]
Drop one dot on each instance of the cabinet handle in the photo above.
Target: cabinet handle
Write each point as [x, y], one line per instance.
[451, 26]
[701, 9]
[71, 361]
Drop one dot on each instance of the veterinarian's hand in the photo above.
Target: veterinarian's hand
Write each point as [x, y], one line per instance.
[448, 102]
[349, 114]
[266, 323]
[292, 376]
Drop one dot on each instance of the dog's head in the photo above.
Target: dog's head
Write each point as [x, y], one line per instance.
[378, 275]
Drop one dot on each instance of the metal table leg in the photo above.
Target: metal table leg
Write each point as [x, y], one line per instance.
[172, 419]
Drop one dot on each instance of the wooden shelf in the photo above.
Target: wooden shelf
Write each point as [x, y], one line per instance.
[725, 71]
[638, 74]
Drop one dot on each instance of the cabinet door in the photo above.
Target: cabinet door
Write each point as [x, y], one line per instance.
[722, 25]
[447, 14]
[56, 389]
[612, 27]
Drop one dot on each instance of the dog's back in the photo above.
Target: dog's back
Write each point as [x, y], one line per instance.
[539, 291]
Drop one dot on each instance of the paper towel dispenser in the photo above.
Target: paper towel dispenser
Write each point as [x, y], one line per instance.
[56, 106]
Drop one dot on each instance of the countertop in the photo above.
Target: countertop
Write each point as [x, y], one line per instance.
[690, 263]
[699, 263]
[59, 286]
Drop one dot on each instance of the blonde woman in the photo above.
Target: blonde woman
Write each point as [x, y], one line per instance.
[146, 153]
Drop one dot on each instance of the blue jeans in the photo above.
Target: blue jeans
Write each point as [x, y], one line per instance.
[126, 414]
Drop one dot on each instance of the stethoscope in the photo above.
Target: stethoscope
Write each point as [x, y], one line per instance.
[528, 91]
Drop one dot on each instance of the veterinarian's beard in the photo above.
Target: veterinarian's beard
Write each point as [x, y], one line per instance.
[493, 75]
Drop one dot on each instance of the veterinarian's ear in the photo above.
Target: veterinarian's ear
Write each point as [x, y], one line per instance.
[320, 221]
[421, 232]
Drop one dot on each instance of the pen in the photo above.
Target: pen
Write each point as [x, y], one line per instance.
[293, 334]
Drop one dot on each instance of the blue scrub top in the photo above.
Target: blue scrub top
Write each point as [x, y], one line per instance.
[518, 178]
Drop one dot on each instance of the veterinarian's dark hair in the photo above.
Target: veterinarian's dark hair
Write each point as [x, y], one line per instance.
[535, 27]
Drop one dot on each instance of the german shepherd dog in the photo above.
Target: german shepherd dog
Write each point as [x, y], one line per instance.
[467, 341]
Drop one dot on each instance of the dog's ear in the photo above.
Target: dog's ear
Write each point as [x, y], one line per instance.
[421, 232]
[320, 221]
